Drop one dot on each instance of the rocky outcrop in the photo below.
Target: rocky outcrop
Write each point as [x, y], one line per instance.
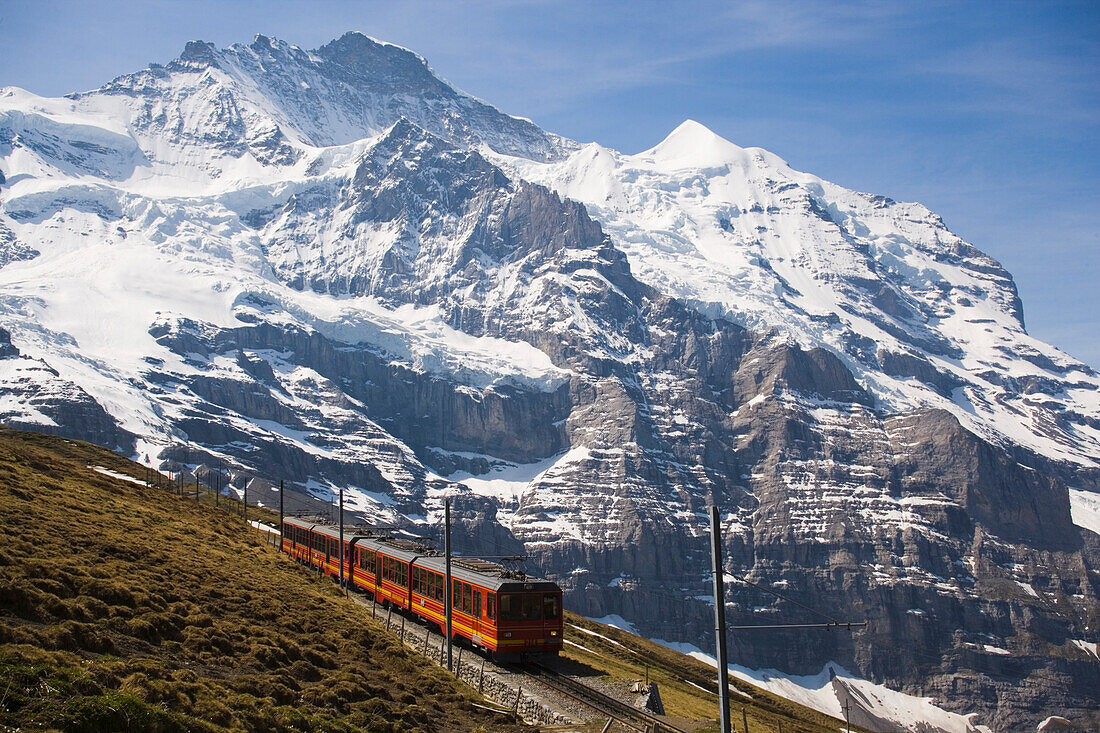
[35, 397]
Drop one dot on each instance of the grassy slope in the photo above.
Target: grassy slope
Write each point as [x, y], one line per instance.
[623, 662]
[125, 608]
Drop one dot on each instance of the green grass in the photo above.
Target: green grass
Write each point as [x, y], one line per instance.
[625, 662]
[123, 607]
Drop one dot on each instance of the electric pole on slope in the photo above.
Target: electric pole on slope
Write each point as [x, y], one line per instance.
[447, 599]
[720, 622]
[342, 586]
[280, 515]
[720, 625]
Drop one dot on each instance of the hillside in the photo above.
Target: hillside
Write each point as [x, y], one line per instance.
[125, 608]
[687, 686]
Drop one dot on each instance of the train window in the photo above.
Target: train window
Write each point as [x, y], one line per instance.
[377, 567]
[402, 571]
[477, 604]
[431, 585]
[532, 607]
[550, 609]
[491, 605]
[440, 587]
[509, 607]
[467, 598]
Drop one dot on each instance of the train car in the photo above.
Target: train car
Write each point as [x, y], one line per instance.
[501, 611]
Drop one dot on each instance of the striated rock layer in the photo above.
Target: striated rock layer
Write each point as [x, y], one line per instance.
[331, 268]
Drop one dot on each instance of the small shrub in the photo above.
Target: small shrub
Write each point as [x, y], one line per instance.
[116, 711]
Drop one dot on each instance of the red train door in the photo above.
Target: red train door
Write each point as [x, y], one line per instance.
[476, 612]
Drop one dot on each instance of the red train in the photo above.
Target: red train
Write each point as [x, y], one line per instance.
[499, 611]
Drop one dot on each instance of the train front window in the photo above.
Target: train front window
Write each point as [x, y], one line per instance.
[532, 607]
[550, 610]
[491, 605]
[509, 607]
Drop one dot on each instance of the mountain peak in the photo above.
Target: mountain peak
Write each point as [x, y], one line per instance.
[693, 144]
[200, 52]
[369, 58]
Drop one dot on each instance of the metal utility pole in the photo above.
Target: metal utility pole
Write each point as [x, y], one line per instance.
[218, 489]
[341, 536]
[244, 507]
[447, 599]
[281, 514]
[720, 622]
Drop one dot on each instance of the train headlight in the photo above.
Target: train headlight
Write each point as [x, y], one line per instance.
[554, 632]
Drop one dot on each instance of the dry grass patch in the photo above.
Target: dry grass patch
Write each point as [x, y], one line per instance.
[123, 607]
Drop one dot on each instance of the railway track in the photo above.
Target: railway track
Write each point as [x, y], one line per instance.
[631, 717]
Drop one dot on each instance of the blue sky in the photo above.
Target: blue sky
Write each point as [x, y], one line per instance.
[987, 112]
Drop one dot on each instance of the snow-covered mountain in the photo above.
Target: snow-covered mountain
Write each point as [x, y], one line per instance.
[921, 317]
[330, 267]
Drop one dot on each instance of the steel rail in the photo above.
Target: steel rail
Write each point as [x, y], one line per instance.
[639, 720]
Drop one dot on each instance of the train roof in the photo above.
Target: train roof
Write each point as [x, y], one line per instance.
[485, 573]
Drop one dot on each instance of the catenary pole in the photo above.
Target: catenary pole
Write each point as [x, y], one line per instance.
[720, 622]
[342, 537]
[280, 514]
[447, 599]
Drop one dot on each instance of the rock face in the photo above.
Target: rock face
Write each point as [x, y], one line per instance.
[349, 274]
[36, 397]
